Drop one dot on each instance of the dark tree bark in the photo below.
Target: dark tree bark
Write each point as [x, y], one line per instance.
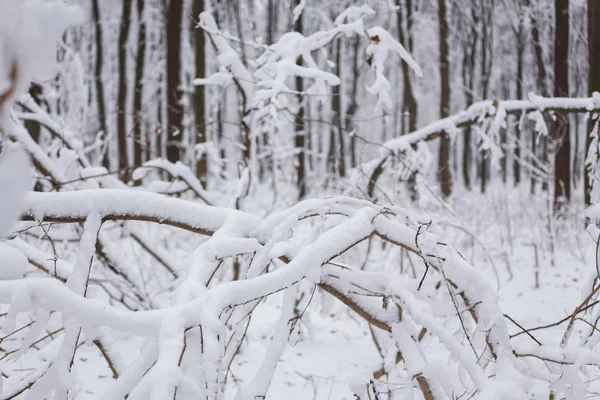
[337, 109]
[335, 156]
[174, 92]
[593, 31]
[506, 85]
[199, 92]
[331, 167]
[444, 174]
[487, 41]
[560, 127]
[409, 103]
[468, 78]
[138, 137]
[272, 8]
[300, 132]
[577, 44]
[308, 129]
[240, 32]
[221, 101]
[229, 10]
[122, 91]
[98, 79]
[353, 100]
[520, 50]
[540, 80]
[538, 54]
[409, 12]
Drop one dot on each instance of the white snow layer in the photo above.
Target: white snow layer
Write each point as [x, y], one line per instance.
[15, 176]
[13, 263]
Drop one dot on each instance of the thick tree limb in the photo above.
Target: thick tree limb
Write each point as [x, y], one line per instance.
[478, 112]
[115, 204]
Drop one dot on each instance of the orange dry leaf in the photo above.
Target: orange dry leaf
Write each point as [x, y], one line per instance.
[13, 85]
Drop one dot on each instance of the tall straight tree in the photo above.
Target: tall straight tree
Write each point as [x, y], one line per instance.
[300, 132]
[353, 98]
[174, 92]
[338, 152]
[560, 127]
[199, 93]
[486, 8]
[272, 8]
[409, 104]
[138, 140]
[520, 38]
[541, 83]
[470, 45]
[593, 31]
[444, 174]
[98, 79]
[122, 91]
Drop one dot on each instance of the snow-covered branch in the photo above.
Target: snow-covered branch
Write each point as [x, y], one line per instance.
[235, 232]
[480, 112]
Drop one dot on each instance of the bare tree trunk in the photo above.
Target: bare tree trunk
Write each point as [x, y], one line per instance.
[331, 164]
[468, 77]
[272, 19]
[154, 139]
[300, 132]
[486, 69]
[593, 81]
[337, 109]
[520, 50]
[308, 129]
[575, 170]
[199, 93]
[174, 93]
[98, 79]
[122, 92]
[352, 107]
[237, 15]
[409, 102]
[540, 79]
[409, 12]
[220, 102]
[139, 138]
[444, 174]
[504, 131]
[560, 127]
[539, 56]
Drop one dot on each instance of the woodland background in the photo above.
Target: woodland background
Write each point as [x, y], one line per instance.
[137, 61]
[298, 199]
